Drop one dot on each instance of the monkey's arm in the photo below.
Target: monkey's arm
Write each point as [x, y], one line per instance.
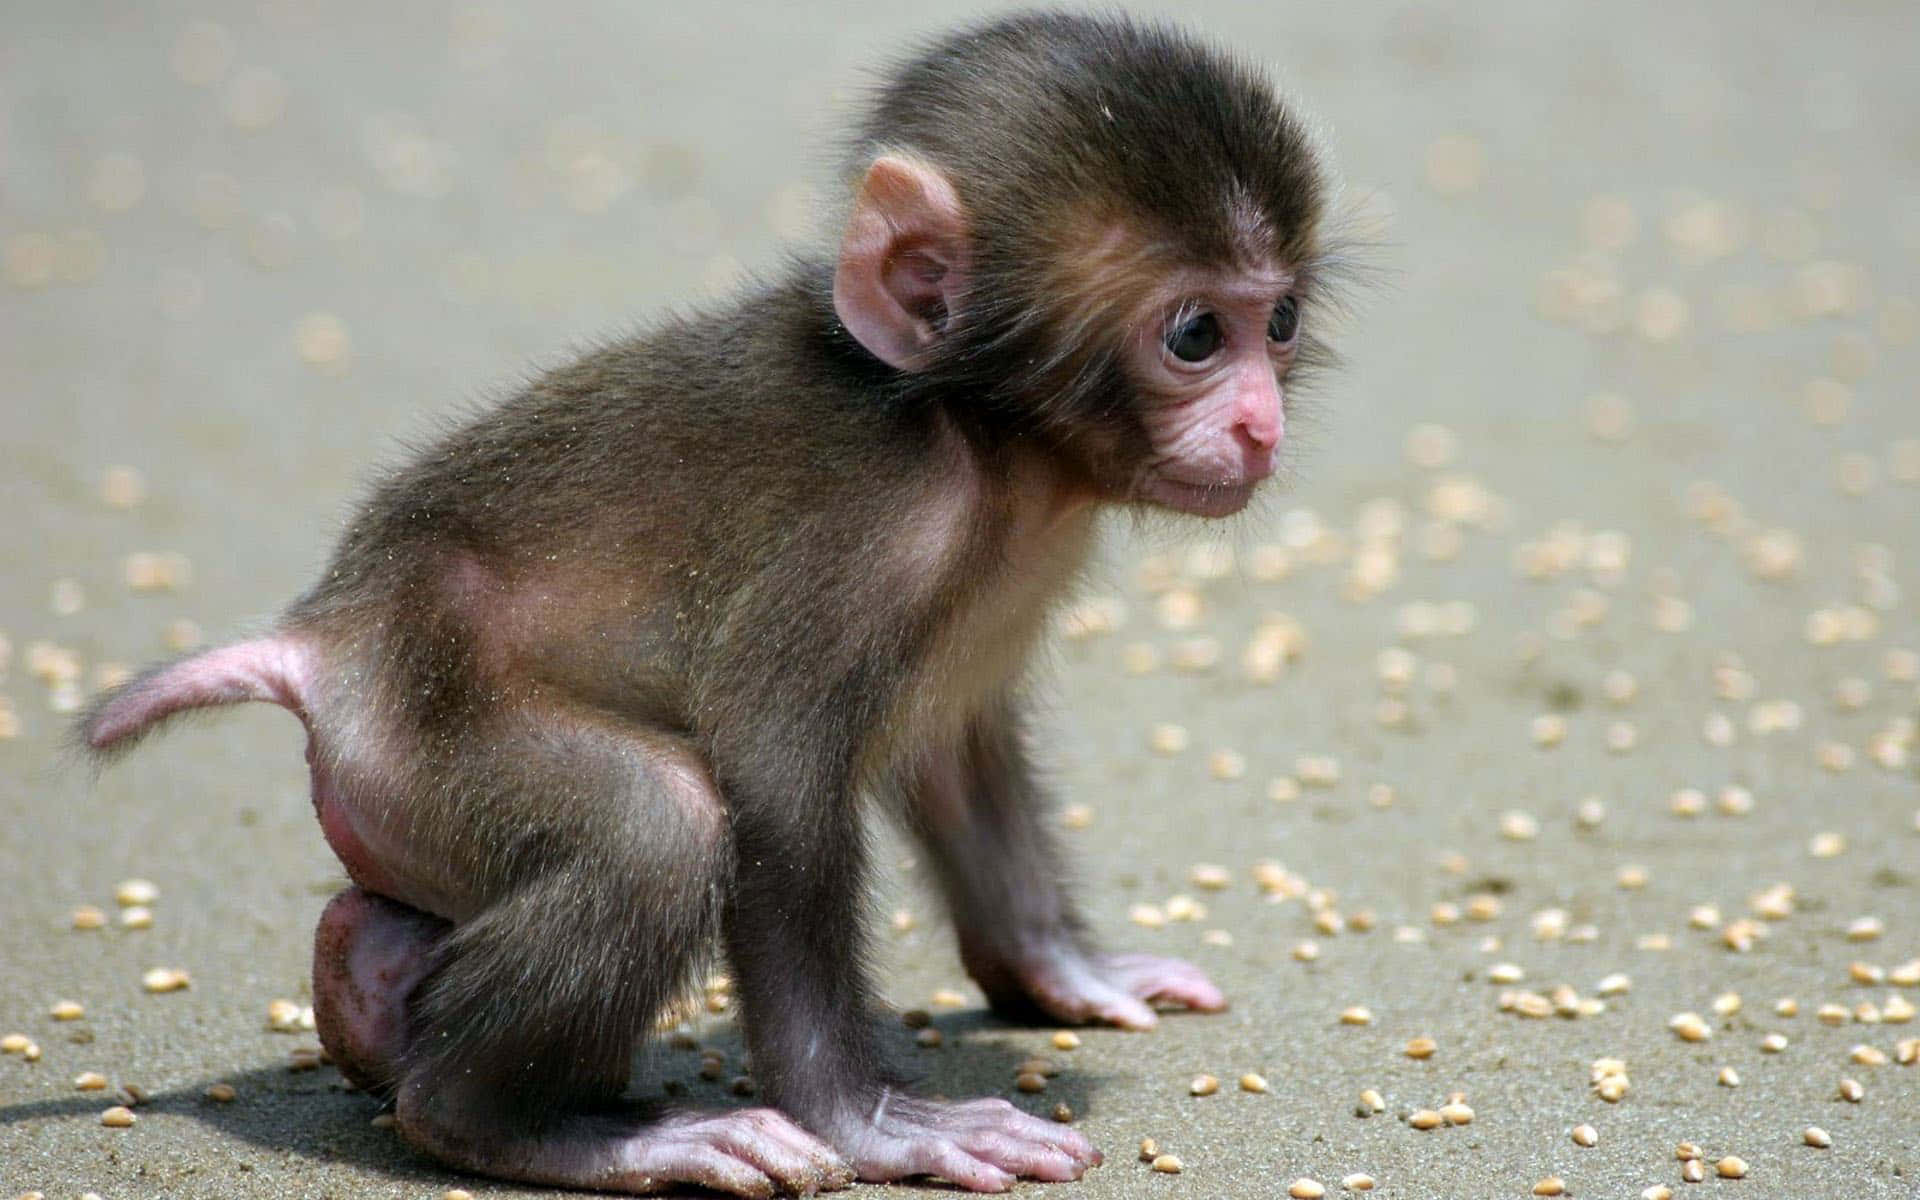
[795, 941]
[982, 818]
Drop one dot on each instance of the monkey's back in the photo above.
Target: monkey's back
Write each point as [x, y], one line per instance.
[661, 503]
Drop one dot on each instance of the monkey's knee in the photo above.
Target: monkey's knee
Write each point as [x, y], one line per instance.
[369, 953]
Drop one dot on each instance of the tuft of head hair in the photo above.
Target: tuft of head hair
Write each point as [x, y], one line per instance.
[1077, 142]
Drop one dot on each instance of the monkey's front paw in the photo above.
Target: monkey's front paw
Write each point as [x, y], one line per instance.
[982, 1145]
[1113, 989]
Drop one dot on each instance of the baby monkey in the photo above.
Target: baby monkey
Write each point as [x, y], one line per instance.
[605, 678]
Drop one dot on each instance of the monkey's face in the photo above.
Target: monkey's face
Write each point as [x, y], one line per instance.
[1209, 370]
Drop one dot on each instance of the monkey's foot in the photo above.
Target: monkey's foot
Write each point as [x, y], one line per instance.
[368, 954]
[1070, 984]
[756, 1152]
[982, 1145]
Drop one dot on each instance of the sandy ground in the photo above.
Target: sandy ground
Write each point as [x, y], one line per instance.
[1650, 267]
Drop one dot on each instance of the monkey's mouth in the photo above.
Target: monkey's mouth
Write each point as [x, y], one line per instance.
[1199, 499]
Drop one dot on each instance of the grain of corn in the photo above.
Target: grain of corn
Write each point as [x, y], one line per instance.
[89, 1081]
[1690, 1027]
[135, 891]
[456, 1194]
[1658, 1191]
[1817, 1137]
[1585, 1135]
[1254, 1082]
[1552, 1185]
[137, 917]
[117, 1117]
[1851, 1091]
[67, 1010]
[1773, 1043]
[1693, 1171]
[1167, 1164]
[1371, 1102]
[88, 917]
[1356, 1015]
[1066, 1039]
[1457, 1113]
[1731, 1167]
[1030, 1082]
[1426, 1118]
[221, 1093]
[1306, 1189]
[165, 979]
[1063, 1113]
[1728, 1077]
[929, 1038]
[1149, 1150]
[1421, 1048]
[1203, 1085]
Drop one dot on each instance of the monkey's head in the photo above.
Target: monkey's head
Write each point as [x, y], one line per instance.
[1109, 252]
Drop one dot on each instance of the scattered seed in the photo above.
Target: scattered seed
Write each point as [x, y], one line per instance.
[1585, 1135]
[1203, 1085]
[1356, 1015]
[1149, 1150]
[929, 1038]
[1851, 1091]
[1731, 1167]
[221, 1093]
[137, 917]
[136, 891]
[1457, 1113]
[1773, 1043]
[1426, 1118]
[67, 1010]
[1421, 1048]
[89, 1081]
[1371, 1102]
[1253, 1082]
[1817, 1137]
[1063, 1113]
[88, 917]
[1167, 1164]
[165, 979]
[456, 1194]
[117, 1117]
[1693, 1171]
[1729, 1077]
[1552, 1185]
[1658, 1191]
[1306, 1189]
[948, 998]
[1066, 1039]
[1030, 1081]
[1690, 1027]
[1167, 739]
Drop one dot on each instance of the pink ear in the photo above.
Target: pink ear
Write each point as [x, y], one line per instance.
[902, 262]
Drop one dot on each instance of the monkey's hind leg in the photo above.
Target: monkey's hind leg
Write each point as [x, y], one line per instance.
[603, 858]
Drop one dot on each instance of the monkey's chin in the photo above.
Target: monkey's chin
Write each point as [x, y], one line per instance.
[1200, 500]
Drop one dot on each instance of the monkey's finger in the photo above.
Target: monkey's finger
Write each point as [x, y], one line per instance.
[938, 1156]
[1029, 1160]
[996, 1115]
[1126, 1012]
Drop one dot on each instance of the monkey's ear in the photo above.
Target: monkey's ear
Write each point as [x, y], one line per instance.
[903, 261]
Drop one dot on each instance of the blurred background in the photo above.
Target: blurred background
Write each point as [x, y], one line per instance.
[1614, 501]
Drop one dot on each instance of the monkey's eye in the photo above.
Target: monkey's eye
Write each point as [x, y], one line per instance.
[1285, 321]
[1195, 339]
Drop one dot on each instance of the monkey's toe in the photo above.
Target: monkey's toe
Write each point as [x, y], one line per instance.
[981, 1145]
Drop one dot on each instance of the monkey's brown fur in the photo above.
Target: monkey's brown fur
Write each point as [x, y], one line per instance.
[601, 678]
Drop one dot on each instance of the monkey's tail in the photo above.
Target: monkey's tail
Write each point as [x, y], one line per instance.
[276, 668]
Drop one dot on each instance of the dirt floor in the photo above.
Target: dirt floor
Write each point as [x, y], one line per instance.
[1580, 649]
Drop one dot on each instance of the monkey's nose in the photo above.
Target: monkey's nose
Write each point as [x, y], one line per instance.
[1256, 454]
